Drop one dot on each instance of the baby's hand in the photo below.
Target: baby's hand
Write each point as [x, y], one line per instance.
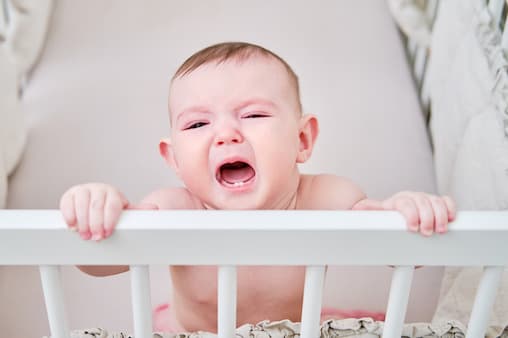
[94, 209]
[423, 212]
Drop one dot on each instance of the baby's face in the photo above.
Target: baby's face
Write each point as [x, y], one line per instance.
[235, 134]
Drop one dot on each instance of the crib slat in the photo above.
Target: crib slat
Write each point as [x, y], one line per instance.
[53, 296]
[226, 302]
[312, 297]
[397, 303]
[484, 300]
[141, 305]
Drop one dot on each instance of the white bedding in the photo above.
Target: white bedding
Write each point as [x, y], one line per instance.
[96, 108]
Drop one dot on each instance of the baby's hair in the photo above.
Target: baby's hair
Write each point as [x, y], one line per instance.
[240, 51]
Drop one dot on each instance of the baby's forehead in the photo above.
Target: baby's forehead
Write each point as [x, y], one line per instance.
[237, 68]
[219, 67]
[238, 57]
[257, 72]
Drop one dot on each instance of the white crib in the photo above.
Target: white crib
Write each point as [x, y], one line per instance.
[232, 238]
[77, 51]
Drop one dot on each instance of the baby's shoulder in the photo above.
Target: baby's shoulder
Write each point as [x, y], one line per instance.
[327, 192]
[173, 198]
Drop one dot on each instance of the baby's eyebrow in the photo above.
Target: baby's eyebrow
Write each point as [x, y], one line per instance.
[192, 109]
[238, 107]
[255, 101]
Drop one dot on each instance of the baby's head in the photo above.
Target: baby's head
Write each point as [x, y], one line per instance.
[237, 129]
[238, 52]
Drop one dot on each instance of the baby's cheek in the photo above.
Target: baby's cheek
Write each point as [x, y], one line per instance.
[280, 164]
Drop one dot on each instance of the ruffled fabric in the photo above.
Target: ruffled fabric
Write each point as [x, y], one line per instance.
[334, 328]
[412, 19]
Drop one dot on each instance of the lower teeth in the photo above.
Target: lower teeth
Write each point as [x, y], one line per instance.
[238, 184]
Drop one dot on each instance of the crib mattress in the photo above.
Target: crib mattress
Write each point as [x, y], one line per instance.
[96, 109]
[351, 328]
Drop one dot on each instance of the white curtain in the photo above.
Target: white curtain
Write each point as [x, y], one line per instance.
[468, 87]
[23, 26]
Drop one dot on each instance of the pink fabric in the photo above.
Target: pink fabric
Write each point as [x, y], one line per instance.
[332, 313]
[165, 321]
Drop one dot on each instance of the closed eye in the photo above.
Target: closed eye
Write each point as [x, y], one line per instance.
[255, 115]
[196, 125]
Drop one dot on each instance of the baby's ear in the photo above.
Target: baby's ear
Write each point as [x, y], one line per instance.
[167, 153]
[308, 132]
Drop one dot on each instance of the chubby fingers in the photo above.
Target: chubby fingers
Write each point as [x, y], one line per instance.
[105, 208]
[425, 213]
[96, 214]
[74, 205]
[408, 208]
[440, 214]
[451, 207]
[92, 209]
[67, 209]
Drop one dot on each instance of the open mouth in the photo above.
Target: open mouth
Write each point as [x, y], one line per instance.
[235, 174]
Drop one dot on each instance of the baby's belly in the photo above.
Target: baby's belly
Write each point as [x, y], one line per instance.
[272, 293]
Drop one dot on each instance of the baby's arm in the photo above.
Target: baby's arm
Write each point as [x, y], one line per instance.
[423, 212]
[93, 211]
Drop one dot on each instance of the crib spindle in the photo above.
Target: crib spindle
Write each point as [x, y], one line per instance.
[484, 300]
[226, 302]
[141, 305]
[312, 297]
[397, 303]
[53, 296]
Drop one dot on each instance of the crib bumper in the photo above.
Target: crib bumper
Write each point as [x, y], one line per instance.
[350, 328]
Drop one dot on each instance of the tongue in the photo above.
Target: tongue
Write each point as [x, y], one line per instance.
[237, 174]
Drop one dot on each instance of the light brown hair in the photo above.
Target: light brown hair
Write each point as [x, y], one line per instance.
[241, 51]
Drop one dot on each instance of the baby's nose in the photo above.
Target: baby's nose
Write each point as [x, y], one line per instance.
[228, 135]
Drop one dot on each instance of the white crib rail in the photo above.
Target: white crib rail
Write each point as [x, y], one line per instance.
[232, 238]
